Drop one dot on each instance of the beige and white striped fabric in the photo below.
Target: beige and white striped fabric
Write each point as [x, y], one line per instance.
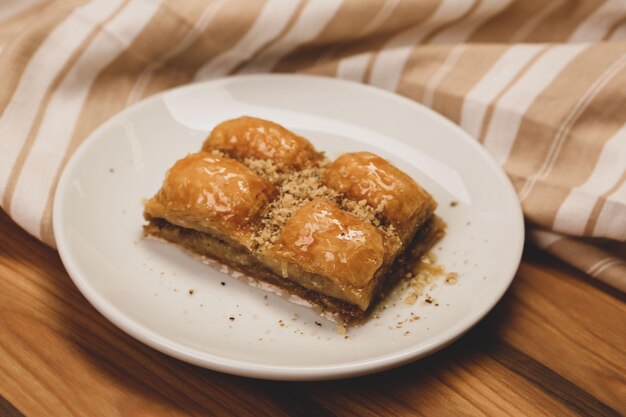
[540, 83]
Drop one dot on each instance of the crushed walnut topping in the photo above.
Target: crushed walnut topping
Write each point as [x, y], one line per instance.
[295, 189]
[266, 169]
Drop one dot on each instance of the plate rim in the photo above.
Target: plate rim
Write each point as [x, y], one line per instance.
[280, 372]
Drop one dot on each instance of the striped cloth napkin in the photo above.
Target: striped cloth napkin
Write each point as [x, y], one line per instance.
[540, 83]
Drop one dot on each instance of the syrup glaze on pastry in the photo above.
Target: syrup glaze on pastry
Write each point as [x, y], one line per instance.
[393, 193]
[326, 241]
[250, 137]
[204, 192]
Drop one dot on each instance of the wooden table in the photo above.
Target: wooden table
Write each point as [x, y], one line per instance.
[555, 345]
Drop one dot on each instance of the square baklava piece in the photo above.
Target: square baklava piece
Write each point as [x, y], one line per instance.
[259, 198]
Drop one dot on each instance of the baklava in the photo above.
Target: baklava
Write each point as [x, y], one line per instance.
[260, 199]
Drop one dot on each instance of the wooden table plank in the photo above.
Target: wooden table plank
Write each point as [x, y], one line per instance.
[460, 380]
[579, 330]
[555, 345]
[7, 409]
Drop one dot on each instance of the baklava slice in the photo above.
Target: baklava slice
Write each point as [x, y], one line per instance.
[262, 200]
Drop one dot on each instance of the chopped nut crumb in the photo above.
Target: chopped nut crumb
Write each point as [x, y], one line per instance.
[217, 153]
[411, 299]
[296, 188]
[341, 329]
[191, 291]
[452, 278]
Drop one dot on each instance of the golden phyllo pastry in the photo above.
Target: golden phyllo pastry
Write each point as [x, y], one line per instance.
[211, 194]
[262, 200]
[339, 247]
[250, 137]
[390, 191]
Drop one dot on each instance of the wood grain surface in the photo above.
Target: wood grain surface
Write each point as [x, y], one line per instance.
[555, 345]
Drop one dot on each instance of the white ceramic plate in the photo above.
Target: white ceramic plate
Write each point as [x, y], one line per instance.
[142, 286]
